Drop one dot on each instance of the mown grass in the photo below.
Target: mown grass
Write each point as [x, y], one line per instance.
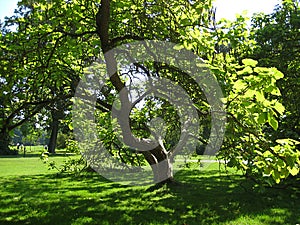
[30, 194]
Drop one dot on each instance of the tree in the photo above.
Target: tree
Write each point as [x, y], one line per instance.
[21, 95]
[71, 34]
[254, 106]
[165, 25]
[277, 37]
[248, 91]
[38, 67]
[53, 30]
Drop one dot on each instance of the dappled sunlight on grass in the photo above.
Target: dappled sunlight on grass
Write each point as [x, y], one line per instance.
[201, 197]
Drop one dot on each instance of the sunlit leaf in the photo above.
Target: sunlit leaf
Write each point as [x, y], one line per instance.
[250, 62]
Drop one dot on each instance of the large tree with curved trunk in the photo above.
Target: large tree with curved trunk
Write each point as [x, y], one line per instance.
[43, 60]
[122, 22]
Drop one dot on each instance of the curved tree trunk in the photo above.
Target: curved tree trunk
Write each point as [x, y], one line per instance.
[161, 165]
[158, 158]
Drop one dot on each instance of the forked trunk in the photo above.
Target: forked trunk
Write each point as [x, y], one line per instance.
[161, 165]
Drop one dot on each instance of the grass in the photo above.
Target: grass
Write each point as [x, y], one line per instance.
[30, 164]
[30, 194]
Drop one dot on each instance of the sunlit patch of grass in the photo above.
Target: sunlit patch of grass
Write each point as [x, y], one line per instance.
[202, 197]
[30, 165]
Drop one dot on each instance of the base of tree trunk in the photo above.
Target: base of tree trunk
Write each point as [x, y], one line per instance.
[170, 182]
[89, 169]
[4, 145]
[9, 152]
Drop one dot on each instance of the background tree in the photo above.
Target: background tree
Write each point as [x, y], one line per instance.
[40, 62]
[277, 44]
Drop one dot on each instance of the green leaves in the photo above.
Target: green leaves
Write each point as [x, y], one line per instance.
[276, 73]
[56, 41]
[293, 170]
[250, 62]
[239, 85]
[255, 85]
[247, 70]
[279, 107]
[279, 162]
[272, 121]
[277, 36]
[262, 118]
[252, 102]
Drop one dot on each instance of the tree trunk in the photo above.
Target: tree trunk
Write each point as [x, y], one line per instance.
[4, 142]
[161, 164]
[53, 137]
[157, 158]
[163, 171]
[57, 114]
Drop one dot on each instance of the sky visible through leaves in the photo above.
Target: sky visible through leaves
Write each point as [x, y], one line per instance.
[225, 8]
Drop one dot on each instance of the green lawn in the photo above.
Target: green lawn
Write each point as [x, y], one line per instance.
[31, 194]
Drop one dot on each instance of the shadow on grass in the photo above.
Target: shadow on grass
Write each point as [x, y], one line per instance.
[202, 198]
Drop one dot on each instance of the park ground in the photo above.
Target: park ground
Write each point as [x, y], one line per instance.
[32, 194]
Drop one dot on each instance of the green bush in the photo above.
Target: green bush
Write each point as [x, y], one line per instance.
[61, 141]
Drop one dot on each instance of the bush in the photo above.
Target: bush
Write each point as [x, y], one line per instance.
[72, 146]
[61, 141]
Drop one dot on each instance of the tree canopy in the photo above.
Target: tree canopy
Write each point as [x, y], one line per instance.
[43, 60]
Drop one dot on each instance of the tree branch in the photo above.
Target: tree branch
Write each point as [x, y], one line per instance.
[127, 37]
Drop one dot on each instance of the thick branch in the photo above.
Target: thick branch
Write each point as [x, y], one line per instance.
[102, 21]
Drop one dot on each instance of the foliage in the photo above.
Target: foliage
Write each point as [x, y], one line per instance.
[56, 40]
[253, 102]
[277, 44]
[61, 140]
[74, 163]
[282, 161]
[40, 61]
[72, 146]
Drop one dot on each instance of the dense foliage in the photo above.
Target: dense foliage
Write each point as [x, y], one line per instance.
[43, 60]
[277, 44]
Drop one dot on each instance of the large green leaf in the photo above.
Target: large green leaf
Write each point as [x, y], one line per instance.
[250, 62]
[273, 122]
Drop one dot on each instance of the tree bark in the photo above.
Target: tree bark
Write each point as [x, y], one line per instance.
[4, 142]
[161, 164]
[57, 114]
[53, 137]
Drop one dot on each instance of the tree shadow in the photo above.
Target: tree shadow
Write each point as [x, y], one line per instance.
[205, 197]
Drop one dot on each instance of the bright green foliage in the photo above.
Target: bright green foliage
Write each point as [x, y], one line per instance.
[56, 40]
[280, 162]
[251, 107]
[42, 60]
[251, 88]
[253, 101]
